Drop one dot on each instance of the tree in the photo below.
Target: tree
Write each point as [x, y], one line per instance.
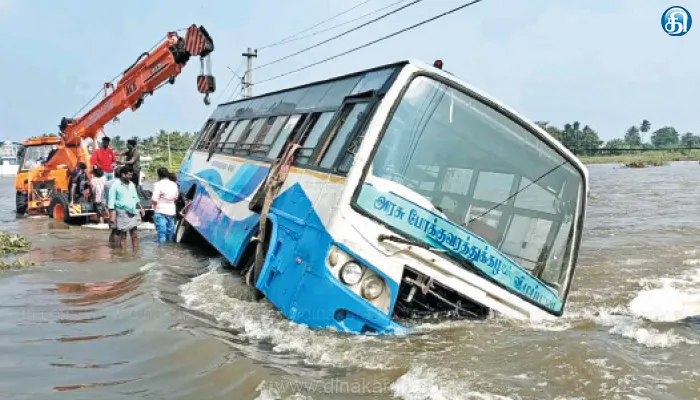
[616, 144]
[118, 143]
[690, 140]
[552, 130]
[632, 136]
[645, 127]
[665, 137]
[579, 141]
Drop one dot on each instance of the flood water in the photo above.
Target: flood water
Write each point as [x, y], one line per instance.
[93, 322]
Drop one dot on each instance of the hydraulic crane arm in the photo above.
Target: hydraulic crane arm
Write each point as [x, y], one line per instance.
[150, 71]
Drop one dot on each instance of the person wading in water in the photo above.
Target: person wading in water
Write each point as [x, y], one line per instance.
[125, 208]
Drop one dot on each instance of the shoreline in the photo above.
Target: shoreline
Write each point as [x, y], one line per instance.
[650, 158]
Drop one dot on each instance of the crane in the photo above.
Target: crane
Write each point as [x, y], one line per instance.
[44, 188]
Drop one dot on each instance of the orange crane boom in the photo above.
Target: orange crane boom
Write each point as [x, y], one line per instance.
[45, 188]
[141, 79]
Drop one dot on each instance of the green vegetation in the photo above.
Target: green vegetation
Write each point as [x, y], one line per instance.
[665, 145]
[156, 147]
[660, 157]
[13, 244]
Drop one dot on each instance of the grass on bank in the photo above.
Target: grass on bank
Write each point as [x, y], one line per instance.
[12, 245]
[650, 158]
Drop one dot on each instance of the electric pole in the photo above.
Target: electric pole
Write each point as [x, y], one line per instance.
[247, 86]
[170, 157]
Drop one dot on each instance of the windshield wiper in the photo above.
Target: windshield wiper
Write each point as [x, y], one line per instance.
[398, 239]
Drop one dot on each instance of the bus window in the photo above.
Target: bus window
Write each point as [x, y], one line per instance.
[311, 140]
[207, 135]
[346, 127]
[201, 134]
[221, 142]
[253, 140]
[293, 124]
[264, 144]
[235, 135]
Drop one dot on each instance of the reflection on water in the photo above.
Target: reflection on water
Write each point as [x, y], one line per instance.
[91, 321]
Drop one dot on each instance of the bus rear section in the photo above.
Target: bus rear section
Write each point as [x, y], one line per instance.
[418, 198]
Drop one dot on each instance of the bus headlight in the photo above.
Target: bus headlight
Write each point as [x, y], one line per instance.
[372, 287]
[351, 273]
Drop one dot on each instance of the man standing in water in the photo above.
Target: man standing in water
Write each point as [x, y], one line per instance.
[165, 194]
[125, 208]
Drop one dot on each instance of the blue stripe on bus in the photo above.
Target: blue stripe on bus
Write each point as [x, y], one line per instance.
[295, 277]
[227, 235]
[255, 180]
[241, 178]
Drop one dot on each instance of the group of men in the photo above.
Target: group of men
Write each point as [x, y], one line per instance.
[116, 197]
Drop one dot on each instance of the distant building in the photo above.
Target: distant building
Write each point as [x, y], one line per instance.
[10, 153]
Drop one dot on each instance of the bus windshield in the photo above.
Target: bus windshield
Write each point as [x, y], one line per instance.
[469, 169]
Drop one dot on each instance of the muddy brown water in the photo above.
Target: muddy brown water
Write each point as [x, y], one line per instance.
[92, 322]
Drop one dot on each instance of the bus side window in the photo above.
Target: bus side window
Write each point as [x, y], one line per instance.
[288, 132]
[206, 135]
[201, 134]
[311, 136]
[264, 144]
[233, 138]
[338, 142]
[238, 148]
[254, 139]
[223, 138]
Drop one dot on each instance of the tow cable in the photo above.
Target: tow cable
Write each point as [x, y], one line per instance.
[276, 178]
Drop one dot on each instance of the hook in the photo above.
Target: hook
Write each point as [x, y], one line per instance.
[206, 99]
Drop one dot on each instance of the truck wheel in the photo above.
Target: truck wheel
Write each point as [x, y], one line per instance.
[21, 200]
[58, 208]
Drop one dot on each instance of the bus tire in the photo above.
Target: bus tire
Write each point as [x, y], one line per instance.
[254, 270]
[21, 200]
[183, 231]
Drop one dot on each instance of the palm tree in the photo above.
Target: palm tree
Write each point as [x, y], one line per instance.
[644, 128]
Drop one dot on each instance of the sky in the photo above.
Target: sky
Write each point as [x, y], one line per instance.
[605, 63]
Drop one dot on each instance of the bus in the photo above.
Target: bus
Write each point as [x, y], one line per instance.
[370, 201]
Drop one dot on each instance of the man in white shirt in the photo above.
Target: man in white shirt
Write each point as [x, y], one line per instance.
[165, 194]
[97, 184]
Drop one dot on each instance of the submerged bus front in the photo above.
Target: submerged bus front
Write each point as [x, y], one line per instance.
[411, 197]
[465, 205]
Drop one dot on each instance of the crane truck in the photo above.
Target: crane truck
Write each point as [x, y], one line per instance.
[43, 179]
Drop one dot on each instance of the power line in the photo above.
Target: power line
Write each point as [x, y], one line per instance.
[340, 34]
[373, 42]
[235, 93]
[335, 26]
[309, 28]
[235, 74]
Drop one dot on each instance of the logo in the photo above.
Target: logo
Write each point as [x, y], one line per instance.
[676, 21]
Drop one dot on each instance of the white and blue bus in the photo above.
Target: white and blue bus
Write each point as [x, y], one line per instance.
[409, 195]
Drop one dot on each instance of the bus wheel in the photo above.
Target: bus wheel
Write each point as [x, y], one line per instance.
[254, 270]
[183, 231]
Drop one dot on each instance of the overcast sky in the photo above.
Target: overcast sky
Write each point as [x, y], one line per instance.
[606, 63]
